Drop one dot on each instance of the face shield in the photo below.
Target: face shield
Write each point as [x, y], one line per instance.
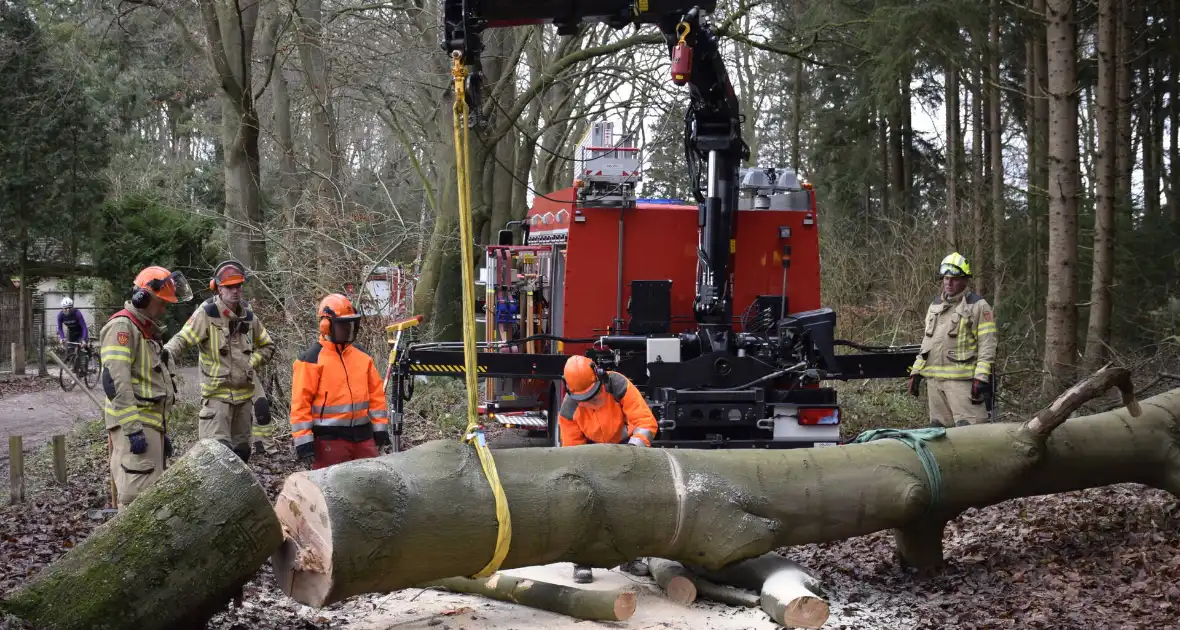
[343, 330]
[174, 288]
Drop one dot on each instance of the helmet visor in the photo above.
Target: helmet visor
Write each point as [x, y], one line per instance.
[230, 275]
[181, 291]
[583, 396]
[948, 269]
[344, 329]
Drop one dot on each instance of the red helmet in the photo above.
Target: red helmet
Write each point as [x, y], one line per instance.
[583, 378]
[339, 321]
[166, 285]
[227, 274]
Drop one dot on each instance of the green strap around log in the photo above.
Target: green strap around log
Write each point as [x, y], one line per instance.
[915, 439]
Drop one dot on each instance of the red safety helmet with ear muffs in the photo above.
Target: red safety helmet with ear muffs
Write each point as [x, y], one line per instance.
[227, 274]
[159, 282]
[583, 378]
[339, 321]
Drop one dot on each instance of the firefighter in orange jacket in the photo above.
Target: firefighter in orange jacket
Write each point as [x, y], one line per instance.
[338, 410]
[602, 407]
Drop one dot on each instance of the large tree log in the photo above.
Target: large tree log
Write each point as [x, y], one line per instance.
[594, 605]
[171, 560]
[387, 523]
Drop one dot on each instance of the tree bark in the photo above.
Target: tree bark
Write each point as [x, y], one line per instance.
[998, 206]
[593, 605]
[230, 33]
[952, 153]
[1101, 304]
[378, 525]
[171, 560]
[1041, 114]
[1124, 156]
[1061, 325]
[979, 215]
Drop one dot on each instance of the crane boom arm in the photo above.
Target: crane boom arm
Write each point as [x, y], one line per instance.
[714, 147]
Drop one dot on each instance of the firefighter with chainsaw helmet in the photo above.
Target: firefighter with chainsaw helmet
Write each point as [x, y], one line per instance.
[603, 407]
[137, 382]
[232, 345]
[958, 350]
[338, 410]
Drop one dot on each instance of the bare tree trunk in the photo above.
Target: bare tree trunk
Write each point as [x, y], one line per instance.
[1041, 110]
[1061, 326]
[979, 213]
[897, 157]
[907, 144]
[230, 33]
[1124, 155]
[883, 146]
[998, 207]
[327, 202]
[1148, 117]
[1101, 305]
[951, 82]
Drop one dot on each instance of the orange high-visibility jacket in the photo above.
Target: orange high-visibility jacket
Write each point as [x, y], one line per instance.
[336, 393]
[624, 417]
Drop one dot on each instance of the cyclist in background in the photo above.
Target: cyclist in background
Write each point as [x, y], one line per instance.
[71, 325]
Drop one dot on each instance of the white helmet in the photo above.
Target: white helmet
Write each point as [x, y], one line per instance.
[67, 302]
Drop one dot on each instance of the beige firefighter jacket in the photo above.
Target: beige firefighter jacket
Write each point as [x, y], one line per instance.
[138, 385]
[231, 346]
[959, 341]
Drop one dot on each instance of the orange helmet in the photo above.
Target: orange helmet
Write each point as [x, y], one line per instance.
[583, 378]
[227, 274]
[166, 285]
[339, 321]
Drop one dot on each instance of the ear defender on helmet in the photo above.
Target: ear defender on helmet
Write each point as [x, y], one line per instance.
[228, 273]
[583, 378]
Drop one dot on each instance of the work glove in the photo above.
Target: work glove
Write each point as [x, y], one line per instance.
[381, 438]
[167, 446]
[915, 384]
[138, 442]
[979, 391]
[305, 453]
[636, 442]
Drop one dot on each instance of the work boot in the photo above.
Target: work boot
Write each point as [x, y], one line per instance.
[583, 574]
[636, 567]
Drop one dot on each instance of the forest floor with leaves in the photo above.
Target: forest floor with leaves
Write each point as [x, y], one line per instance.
[1105, 557]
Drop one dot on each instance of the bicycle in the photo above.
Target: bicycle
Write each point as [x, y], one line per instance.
[83, 362]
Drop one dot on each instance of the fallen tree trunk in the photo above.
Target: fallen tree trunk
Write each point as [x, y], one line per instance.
[788, 593]
[171, 560]
[387, 523]
[725, 594]
[594, 605]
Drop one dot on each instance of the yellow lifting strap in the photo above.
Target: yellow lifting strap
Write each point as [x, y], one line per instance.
[474, 433]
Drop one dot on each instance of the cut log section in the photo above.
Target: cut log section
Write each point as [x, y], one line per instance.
[676, 580]
[725, 594]
[593, 605]
[171, 560]
[382, 524]
[788, 593]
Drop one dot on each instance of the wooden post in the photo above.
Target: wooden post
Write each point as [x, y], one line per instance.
[16, 469]
[59, 458]
[42, 368]
[18, 358]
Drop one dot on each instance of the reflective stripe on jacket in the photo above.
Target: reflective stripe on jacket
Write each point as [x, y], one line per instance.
[623, 416]
[231, 347]
[336, 393]
[138, 386]
[959, 341]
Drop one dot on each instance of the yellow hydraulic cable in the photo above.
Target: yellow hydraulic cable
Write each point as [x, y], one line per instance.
[474, 433]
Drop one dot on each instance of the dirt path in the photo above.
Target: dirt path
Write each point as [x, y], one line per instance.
[37, 416]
